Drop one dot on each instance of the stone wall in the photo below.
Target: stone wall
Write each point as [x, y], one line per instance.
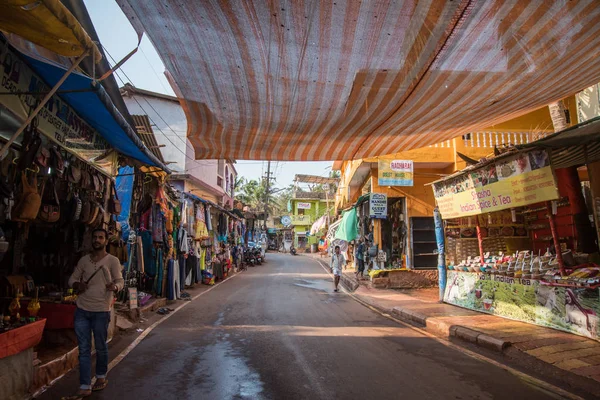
[412, 279]
[16, 375]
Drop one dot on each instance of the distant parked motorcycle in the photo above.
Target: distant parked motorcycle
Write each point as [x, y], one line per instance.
[258, 255]
[293, 250]
[249, 258]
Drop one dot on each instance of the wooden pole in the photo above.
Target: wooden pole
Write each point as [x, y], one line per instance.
[554, 230]
[479, 238]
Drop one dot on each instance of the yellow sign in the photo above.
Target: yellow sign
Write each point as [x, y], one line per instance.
[395, 172]
[508, 184]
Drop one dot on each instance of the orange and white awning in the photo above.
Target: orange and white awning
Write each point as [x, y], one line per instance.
[345, 79]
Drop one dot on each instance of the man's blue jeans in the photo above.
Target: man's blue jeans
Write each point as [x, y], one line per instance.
[86, 323]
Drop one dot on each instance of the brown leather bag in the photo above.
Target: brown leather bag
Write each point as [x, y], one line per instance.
[86, 180]
[74, 175]
[114, 204]
[94, 213]
[29, 202]
[86, 210]
[50, 208]
[96, 183]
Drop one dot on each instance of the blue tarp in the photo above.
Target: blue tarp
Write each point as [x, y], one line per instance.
[96, 108]
[124, 185]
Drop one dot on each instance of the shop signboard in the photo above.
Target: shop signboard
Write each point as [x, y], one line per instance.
[133, 298]
[378, 205]
[303, 206]
[516, 181]
[395, 172]
[573, 310]
[57, 120]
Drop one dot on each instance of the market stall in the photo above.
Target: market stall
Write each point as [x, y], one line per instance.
[514, 246]
[57, 168]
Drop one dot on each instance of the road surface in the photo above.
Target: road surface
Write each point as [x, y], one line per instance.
[279, 332]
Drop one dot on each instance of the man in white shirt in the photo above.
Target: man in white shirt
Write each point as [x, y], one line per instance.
[337, 263]
[96, 278]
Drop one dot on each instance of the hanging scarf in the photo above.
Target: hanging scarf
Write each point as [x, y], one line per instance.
[208, 218]
[201, 229]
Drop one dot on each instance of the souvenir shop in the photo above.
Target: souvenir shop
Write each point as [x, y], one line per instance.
[382, 229]
[56, 185]
[521, 238]
[180, 240]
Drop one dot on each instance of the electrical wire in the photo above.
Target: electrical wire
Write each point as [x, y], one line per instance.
[199, 164]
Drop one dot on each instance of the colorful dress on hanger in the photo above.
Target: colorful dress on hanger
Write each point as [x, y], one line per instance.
[201, 229]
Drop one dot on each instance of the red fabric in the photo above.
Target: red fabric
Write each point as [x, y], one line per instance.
[569, 185]
[59, 316]
[19, 339]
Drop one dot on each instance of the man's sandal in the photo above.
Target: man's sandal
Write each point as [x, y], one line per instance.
[99, 385]
[80, 395]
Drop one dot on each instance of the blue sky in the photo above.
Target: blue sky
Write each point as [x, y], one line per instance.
[145, 71]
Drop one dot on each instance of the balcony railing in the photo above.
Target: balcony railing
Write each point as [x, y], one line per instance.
[491, 139]
[301, 219]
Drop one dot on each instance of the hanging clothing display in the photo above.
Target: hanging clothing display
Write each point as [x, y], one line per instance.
[191, 217]
[148, 251]
[158, 224]
[208, 218]
[201, 229]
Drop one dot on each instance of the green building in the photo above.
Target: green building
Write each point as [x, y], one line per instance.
[305, 208]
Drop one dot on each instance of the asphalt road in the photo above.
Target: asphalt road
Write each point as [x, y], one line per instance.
[279, 332]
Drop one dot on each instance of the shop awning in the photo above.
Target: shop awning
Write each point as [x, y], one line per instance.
[214, 205]
[574, 146]
[47, 23]
[348, 229]
[93, 104]
[348, 79]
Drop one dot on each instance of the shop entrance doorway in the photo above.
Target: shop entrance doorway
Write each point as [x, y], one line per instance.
[393, 232]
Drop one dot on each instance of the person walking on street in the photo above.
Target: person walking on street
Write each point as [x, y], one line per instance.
[338, 260]
[360, 259]
[96, 279]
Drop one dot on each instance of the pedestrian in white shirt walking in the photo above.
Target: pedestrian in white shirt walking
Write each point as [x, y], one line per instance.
[337, 262]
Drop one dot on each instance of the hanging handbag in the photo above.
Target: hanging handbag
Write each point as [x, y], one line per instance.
[86, 210]
[58, 162]
[99, 221]
[77, 207]
[29, 202]
[50, 208]
[43, 157]
[97, 187]
[95, 209]
[74, 175]
[31, 145]
[114, 205]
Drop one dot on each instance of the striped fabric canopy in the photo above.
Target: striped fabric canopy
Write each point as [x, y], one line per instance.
[347, 79]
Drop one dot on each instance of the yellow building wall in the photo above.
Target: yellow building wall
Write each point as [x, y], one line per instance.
[535, 122]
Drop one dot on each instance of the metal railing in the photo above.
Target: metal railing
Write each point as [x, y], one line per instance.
[493, 139]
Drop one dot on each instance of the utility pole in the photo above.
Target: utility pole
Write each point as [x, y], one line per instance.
[268, 178]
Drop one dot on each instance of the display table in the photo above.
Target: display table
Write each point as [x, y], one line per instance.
[58, 315]
[19, 339]
[571, 309]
